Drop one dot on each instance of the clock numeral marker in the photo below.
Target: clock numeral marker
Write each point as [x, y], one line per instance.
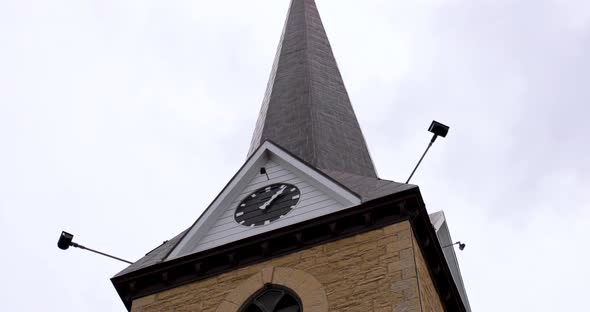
[252, 225]
[292, 207]
[282, 216]
[266, 222]
[267, 189]
[239, 214]
[294, 189]
[296, 196]
[242, 222]
[243, 205]
[253, 195]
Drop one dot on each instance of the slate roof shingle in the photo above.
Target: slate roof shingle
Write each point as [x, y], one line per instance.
[367, 187]
[155, 256]
[306, 108]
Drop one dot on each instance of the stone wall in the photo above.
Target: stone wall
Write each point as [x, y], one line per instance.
[373, 271]
[429, 298]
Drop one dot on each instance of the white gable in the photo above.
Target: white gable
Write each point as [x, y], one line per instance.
[312, 203]
[217, 226]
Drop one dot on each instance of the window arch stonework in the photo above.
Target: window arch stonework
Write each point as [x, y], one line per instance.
[309, 290]
[273, 298]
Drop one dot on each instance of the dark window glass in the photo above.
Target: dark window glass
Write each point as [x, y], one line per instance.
[253, 308]
[273, 299]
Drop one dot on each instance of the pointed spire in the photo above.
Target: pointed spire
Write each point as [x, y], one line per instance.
[306, 108]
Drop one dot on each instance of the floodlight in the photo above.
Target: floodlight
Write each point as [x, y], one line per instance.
[263, 171]
[65, 241]
[437, 129]
[461, 245]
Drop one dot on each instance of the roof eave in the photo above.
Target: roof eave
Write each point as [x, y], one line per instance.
[405, 205]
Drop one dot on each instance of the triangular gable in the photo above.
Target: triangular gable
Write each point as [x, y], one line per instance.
[320, 195]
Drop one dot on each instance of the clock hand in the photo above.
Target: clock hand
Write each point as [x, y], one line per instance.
[268, 202]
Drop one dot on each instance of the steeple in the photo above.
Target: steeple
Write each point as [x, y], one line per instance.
[306, 109]
[318, 198]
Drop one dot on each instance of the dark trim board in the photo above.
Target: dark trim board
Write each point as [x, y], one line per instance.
[406, 205]
[439, 270]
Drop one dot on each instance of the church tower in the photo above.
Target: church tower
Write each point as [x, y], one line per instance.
[305, 224]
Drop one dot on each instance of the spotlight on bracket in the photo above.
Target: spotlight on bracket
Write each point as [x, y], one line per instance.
[437, 129]
[65, 241]
[461, 245]
[263, 171]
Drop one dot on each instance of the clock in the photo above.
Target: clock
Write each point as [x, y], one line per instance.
[267, 204]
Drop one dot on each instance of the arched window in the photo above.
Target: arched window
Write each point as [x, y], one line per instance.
[273, 299]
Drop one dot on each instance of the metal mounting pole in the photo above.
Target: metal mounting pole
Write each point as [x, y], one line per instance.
[98, 252]
[65, 241]
[439, 130]
[418, 164]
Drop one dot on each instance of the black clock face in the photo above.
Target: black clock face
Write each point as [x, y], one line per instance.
[267, 204]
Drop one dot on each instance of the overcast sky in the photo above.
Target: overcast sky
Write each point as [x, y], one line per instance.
[121, 120]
